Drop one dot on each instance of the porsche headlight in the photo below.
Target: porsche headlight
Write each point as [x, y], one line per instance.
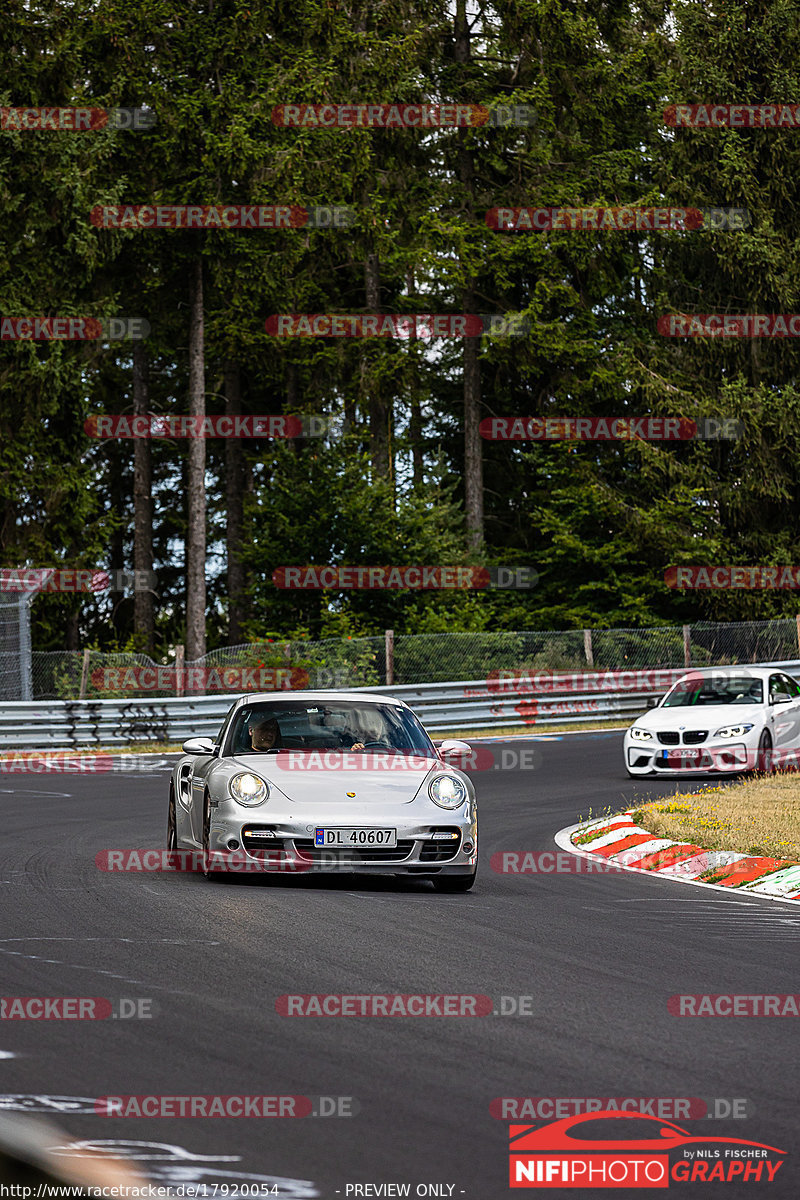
[248, 789]
[447, 791]
[640, 735]
[732, 731]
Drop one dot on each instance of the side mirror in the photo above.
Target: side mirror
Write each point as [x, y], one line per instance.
[451, 748]
[199, 745]
[654, 701]
[780, 698]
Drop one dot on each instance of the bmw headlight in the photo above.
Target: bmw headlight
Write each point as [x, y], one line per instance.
[248, 789]
[732, 731]
[447, 791]
[640, 735]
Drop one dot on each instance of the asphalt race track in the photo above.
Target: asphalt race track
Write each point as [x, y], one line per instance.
[598, 953]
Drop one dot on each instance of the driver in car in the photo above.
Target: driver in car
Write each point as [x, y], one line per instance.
[265, 735]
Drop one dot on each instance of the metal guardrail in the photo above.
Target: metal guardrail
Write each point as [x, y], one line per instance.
[465, 705]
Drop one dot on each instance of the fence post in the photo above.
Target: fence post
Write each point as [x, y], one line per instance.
[180, 653]
[587, 647]
[389, 639]
[25, 653]
[798, 632]
[84, 675]
[687, 647]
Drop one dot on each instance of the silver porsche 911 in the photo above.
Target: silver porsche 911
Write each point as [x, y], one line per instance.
[326, 781]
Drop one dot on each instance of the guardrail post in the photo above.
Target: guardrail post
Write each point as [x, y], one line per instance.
[389, 639]
[180, 653]
[84, 675]
[587, 647]
[687, 647]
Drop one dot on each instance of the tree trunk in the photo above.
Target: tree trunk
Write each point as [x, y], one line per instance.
[473, 449]
[234, 507]
[415, 403]
[196, 462]
[116, 546]
[380, 451]
[143, 615]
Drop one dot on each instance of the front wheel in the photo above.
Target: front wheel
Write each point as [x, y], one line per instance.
[764, 757]
[454, 883]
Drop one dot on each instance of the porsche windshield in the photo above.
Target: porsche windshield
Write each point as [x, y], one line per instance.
[696, 693]
[327, 725]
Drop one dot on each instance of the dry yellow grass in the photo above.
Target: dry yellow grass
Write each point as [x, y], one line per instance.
[756, 816]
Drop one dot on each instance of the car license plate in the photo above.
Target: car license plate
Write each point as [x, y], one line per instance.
[691, 755]
[323, 836]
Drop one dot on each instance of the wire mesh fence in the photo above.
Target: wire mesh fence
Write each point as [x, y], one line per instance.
[385, 659]
[15, 647]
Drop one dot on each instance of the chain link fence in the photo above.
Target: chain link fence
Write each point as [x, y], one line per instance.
[15, 647]
[405, 659]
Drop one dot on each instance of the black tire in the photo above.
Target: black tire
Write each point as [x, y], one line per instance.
[454, 883]
[764, 755]
[172, 828]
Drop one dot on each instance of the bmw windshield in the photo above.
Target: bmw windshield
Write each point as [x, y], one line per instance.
[697, 693]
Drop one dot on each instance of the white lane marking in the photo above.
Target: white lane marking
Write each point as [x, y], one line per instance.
[7, 1054]
[143, 941]
[32, 792]
[563, 839]
[99, 970]
[130, 1149]
[180, 1167]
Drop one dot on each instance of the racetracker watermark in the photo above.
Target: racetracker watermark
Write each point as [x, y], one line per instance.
[63, 762]
[73, 329]
[522, 681]
[74, 1008]
[75, 120]
[155, 425]
[203, 1106]
[616, 220]
[194, 679]
[730, 1005]
[414, 579]
[548, 862]
[234, 862]
[73, 579]
[221, 216]
[397, 325]
[665, 1108]
[732, 116]
[402, 1005]
[601, 429]
[472, 758]
[724, 578]
[401, 116]
[730, 325]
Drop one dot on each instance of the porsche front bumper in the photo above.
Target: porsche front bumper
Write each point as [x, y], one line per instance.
[447, 843]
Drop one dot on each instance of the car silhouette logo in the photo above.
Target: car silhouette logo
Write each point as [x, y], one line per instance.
[565, 1154]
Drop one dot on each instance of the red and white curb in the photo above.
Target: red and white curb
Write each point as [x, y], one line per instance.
[618, 839]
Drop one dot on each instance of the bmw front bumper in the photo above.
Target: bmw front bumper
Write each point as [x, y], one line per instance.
[712, 757]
